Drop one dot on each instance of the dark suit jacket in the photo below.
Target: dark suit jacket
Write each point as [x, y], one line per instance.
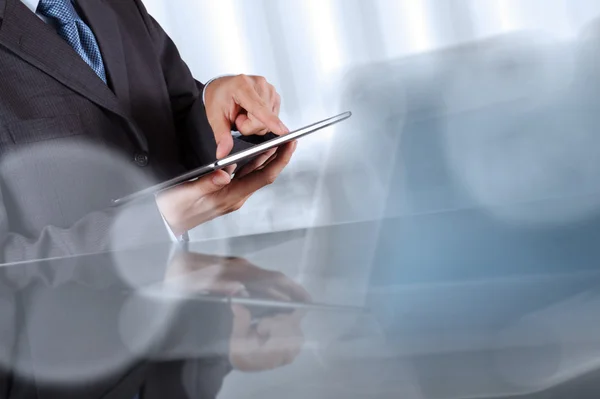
[69, 144]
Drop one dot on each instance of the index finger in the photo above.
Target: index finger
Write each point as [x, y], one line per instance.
[296, 291]
[291, 289]
[242, 320]
[249, 99]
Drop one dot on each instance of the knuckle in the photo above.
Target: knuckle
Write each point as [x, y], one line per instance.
[287, 360]
[273, 91]
[234, 260]
[222, 208]
[244, 79]
[261, 81]
[277, 275]
[270, 178]
[234, 207]
[209, 202]
[246, 130]
[262, 102]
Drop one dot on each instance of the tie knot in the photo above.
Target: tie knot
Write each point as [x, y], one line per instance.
[60, 10]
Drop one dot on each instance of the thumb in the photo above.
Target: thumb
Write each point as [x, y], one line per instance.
[222, 131]
[211, 183]
[226, 287]
[242, 320]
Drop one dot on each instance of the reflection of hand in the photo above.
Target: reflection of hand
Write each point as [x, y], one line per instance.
[272, 342]
[231, 276]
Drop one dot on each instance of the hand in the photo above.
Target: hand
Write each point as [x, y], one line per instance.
[193, 203]
[197, 272]
[248, 102]
[272, 342]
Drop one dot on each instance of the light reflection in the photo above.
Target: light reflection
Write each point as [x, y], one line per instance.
[415, 15]
[323, 30]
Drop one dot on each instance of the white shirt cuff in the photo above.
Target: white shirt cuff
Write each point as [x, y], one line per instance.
[171, 235]
[209, 82]
[174, 238]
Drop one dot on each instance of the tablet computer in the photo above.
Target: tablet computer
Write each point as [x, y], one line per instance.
[235, 158]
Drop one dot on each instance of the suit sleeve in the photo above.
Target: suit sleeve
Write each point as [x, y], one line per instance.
[111, 229]
[194, 134]
[189, 114]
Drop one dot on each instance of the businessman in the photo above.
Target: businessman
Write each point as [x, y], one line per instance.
[96, 103]
[93, 92]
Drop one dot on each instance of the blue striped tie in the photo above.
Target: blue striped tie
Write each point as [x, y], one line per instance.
[75, 32]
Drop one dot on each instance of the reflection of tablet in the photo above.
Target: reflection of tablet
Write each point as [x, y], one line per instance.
[259, 307]
[235, 158]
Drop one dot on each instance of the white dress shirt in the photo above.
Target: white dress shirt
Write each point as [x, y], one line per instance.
[31, 4]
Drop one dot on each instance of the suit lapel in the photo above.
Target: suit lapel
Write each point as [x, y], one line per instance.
[103, 22]
[37, 43]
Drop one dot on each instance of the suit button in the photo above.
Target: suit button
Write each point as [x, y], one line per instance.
[141, 159]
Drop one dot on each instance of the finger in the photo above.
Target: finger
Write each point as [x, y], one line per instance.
[241, 189]
[276, 104]
[271, 158]
[240, 121]
[242, 320]
[282, 321]
[248, 124]
[288, 348]
[294, 290]
[211, 183]
[199, 188]
[230, 169]
[221, 127]
[260, 178]
[277, 294]
[277, 324]
[265, 326]
[265, 158]
[281, 350]
[256, 163]
[244, 343]
[249, 99]
[298, 315]
[229, 288]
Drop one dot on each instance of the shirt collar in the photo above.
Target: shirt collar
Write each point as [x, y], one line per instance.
[31, 4]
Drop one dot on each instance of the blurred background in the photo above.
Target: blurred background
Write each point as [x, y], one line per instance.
[408, 69]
